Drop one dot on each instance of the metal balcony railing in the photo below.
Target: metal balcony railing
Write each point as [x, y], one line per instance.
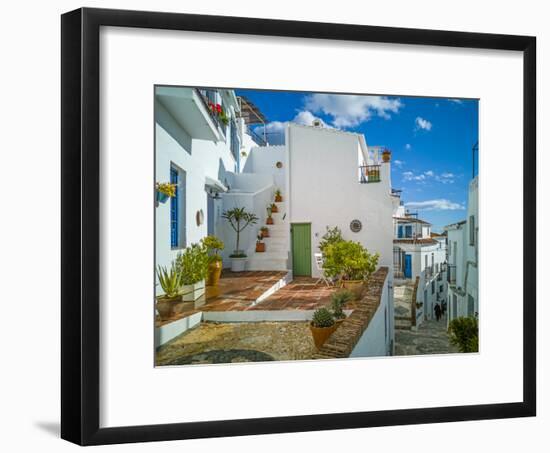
[369, 174]
[209, 99]
[451, 274]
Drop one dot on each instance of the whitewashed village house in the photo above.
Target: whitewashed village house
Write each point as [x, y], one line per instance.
[419, 253]
[327, 178]
[462, 273]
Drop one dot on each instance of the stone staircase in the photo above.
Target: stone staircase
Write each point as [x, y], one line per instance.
[277, 245]
[402, 300]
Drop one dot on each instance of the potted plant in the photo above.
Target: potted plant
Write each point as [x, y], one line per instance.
[260, 245]
[215, 265]
[269, 220]
[274, 208]
[264, 231]
[170, 282]
[338, 300]
[165, 190]
[192, 265]
[464, 334]
[351, 263]
[278, 196]
[386, 155]
[239, 219]
[322, 326]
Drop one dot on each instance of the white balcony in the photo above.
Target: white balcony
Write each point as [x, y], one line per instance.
[190, 111]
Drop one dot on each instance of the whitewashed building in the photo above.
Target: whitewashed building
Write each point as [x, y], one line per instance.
[327, 178]
[462, 273]
[199, 150]
[419, 253]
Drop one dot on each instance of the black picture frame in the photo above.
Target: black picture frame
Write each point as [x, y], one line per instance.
[80, 260]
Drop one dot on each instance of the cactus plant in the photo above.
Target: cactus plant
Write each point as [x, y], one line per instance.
[322, 318]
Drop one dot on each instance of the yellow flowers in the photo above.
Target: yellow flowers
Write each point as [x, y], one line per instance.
[167, 188]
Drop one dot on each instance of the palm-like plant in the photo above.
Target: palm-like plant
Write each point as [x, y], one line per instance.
[239, 219]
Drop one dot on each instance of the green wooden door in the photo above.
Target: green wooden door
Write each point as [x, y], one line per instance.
[301, 249]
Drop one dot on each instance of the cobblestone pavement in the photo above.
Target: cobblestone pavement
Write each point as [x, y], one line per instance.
[430, 338]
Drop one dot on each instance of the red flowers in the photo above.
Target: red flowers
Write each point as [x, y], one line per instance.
[216, 109]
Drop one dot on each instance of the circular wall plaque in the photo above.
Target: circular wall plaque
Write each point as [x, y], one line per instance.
[279, 164]
[355, 226]
[200, 217]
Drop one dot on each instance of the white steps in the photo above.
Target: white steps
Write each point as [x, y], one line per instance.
[277, 245]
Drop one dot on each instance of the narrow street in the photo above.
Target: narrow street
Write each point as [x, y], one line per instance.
[429, 338]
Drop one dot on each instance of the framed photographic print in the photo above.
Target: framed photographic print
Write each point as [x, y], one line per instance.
[263, 217]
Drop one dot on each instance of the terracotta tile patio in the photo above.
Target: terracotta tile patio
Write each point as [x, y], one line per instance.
[238, 291]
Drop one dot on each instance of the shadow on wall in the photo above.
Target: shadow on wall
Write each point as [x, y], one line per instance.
[172, 128]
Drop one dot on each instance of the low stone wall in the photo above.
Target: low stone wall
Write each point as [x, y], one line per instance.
[341, 343]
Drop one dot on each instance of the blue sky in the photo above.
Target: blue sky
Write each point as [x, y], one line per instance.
[431, 140]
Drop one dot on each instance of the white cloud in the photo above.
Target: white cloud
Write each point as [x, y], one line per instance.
[440, 204]
[306, 118]
[445, 177]
[351, 110]
[398, 163]
[421, 123]
[408, 146]
[410, 176]
[273, 126]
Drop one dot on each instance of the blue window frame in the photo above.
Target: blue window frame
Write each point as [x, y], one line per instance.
[408, 231]
[174, 210]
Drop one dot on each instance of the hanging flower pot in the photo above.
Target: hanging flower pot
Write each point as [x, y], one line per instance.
[165, 190]
[386, 155]
[162, 197]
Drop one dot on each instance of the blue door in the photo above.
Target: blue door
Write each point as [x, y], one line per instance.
[408, 266]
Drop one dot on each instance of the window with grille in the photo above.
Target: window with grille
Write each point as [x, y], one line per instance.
[177, 208]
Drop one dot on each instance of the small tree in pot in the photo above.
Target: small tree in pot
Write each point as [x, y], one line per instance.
[214, 245]
[278, 196]
[322, 326]
[264, 231]
[351, 263]
[239, 219]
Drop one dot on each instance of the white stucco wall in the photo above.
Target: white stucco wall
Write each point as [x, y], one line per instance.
[197, 159]
[325, 190]
[377, 338]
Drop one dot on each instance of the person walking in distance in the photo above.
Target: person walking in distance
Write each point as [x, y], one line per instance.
[437, 310]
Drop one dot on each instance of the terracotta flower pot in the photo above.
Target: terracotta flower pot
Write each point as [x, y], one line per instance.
[165, 306]
[274, 208]
[386, 156]
[265, 233]
[278, 198]
[269, 221]
[321, 334]
[355, 286]
[214, 272]
[260, 247]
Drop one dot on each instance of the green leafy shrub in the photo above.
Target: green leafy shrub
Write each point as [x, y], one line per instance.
[192, 264]
[332, 236]
[213, 245]
[170, 281]
[322, 318]
[464, 333]
[239, 219]
[348, 260]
